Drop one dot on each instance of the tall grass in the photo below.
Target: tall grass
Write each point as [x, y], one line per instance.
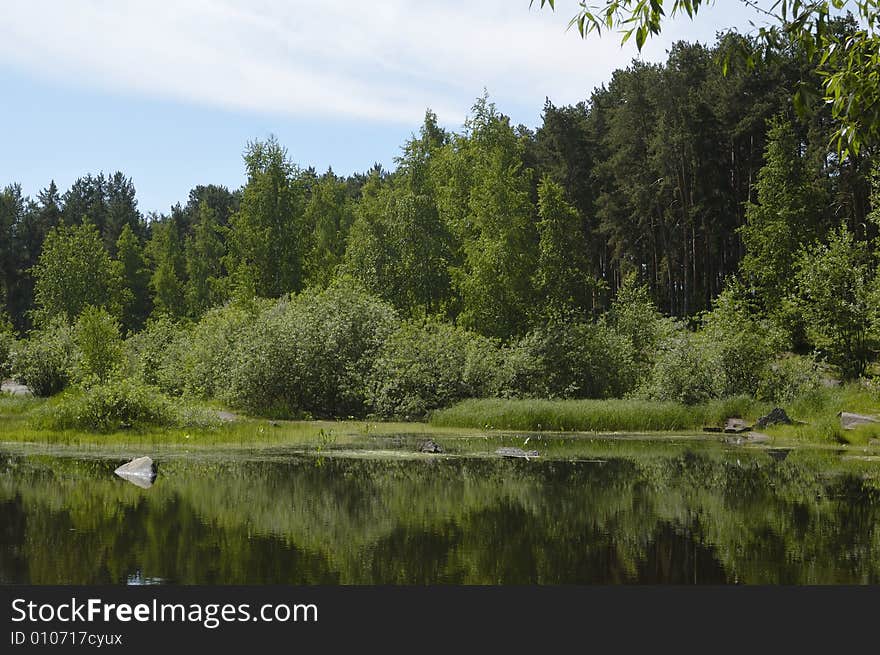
[16, 405]
[594, 415]
[815, 413]
[819, 411]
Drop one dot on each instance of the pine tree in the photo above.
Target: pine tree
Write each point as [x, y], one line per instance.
[121, 210]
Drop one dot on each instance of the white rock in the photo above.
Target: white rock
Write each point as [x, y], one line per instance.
[140, 471]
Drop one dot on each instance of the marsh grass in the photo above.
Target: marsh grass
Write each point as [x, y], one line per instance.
[21, 420]
[471, 426]
[819, 411]
[816, 411]
[593, 415]
[16, 405]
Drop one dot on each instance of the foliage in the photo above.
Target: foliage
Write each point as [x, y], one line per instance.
[206, 285]
[399, 249]
[847, 64]
[685, 370]
[97, 347]
[266, 239]
[311, 354]
[156, 353]
[122, 404]
[13, 215]
[205, 351]
[570, 360]
[328, 216]
[738, 343]
[786, 216]
[74, 271]
[494, 223]
[194, 359]
[561, 273]
[789, 378]
[425, 366]
[7, 345]
[634, 316]
[135, 279]
[45, 359]
[837, 292]
[166, 255]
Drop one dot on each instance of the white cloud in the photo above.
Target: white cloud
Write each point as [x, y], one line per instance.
[382, 60]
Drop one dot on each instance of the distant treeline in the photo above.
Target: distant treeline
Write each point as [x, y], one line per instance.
[678, 173]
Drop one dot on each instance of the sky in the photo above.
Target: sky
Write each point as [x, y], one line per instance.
[170, 92]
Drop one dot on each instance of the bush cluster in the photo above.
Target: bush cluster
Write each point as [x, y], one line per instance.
[310, 355]
[45, 360]
[122, 404]
[425, 366]
[728, 356]
[7, 346]
[570, 360]
[342, 352]
[789, 378]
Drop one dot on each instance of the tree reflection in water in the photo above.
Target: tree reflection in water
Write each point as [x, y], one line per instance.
[669, 517]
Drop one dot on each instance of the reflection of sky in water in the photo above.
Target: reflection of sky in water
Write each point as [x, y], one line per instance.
[138, 580]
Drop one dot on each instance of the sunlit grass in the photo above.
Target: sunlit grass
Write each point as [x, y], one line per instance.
[17, 424]
[15, 405]
[593, 415]
[475, 426]
[818, 412]
[816, 415]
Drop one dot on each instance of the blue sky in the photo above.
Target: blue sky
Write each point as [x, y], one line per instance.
[170, 92]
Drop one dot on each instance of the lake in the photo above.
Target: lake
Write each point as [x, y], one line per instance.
[589, 511]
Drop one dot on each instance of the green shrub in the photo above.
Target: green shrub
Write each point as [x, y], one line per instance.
[156, 353]
[634, 315]
[210, 347]
[98, 347]
[685, 370]
[789, 378]
[44, 361]
[739, 346]
[7, 345]
[839, 293]
[310, 355]
[422, 367]
[570, 360]
[729, 356]
[193, 358]
[107, 407]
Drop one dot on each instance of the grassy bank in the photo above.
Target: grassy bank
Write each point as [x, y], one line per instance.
[23, 420]
[818, 412]
[592, 415]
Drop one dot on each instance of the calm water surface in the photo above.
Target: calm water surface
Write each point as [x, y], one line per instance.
[677, 514]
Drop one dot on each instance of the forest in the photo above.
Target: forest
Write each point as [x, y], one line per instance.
[683, 234]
